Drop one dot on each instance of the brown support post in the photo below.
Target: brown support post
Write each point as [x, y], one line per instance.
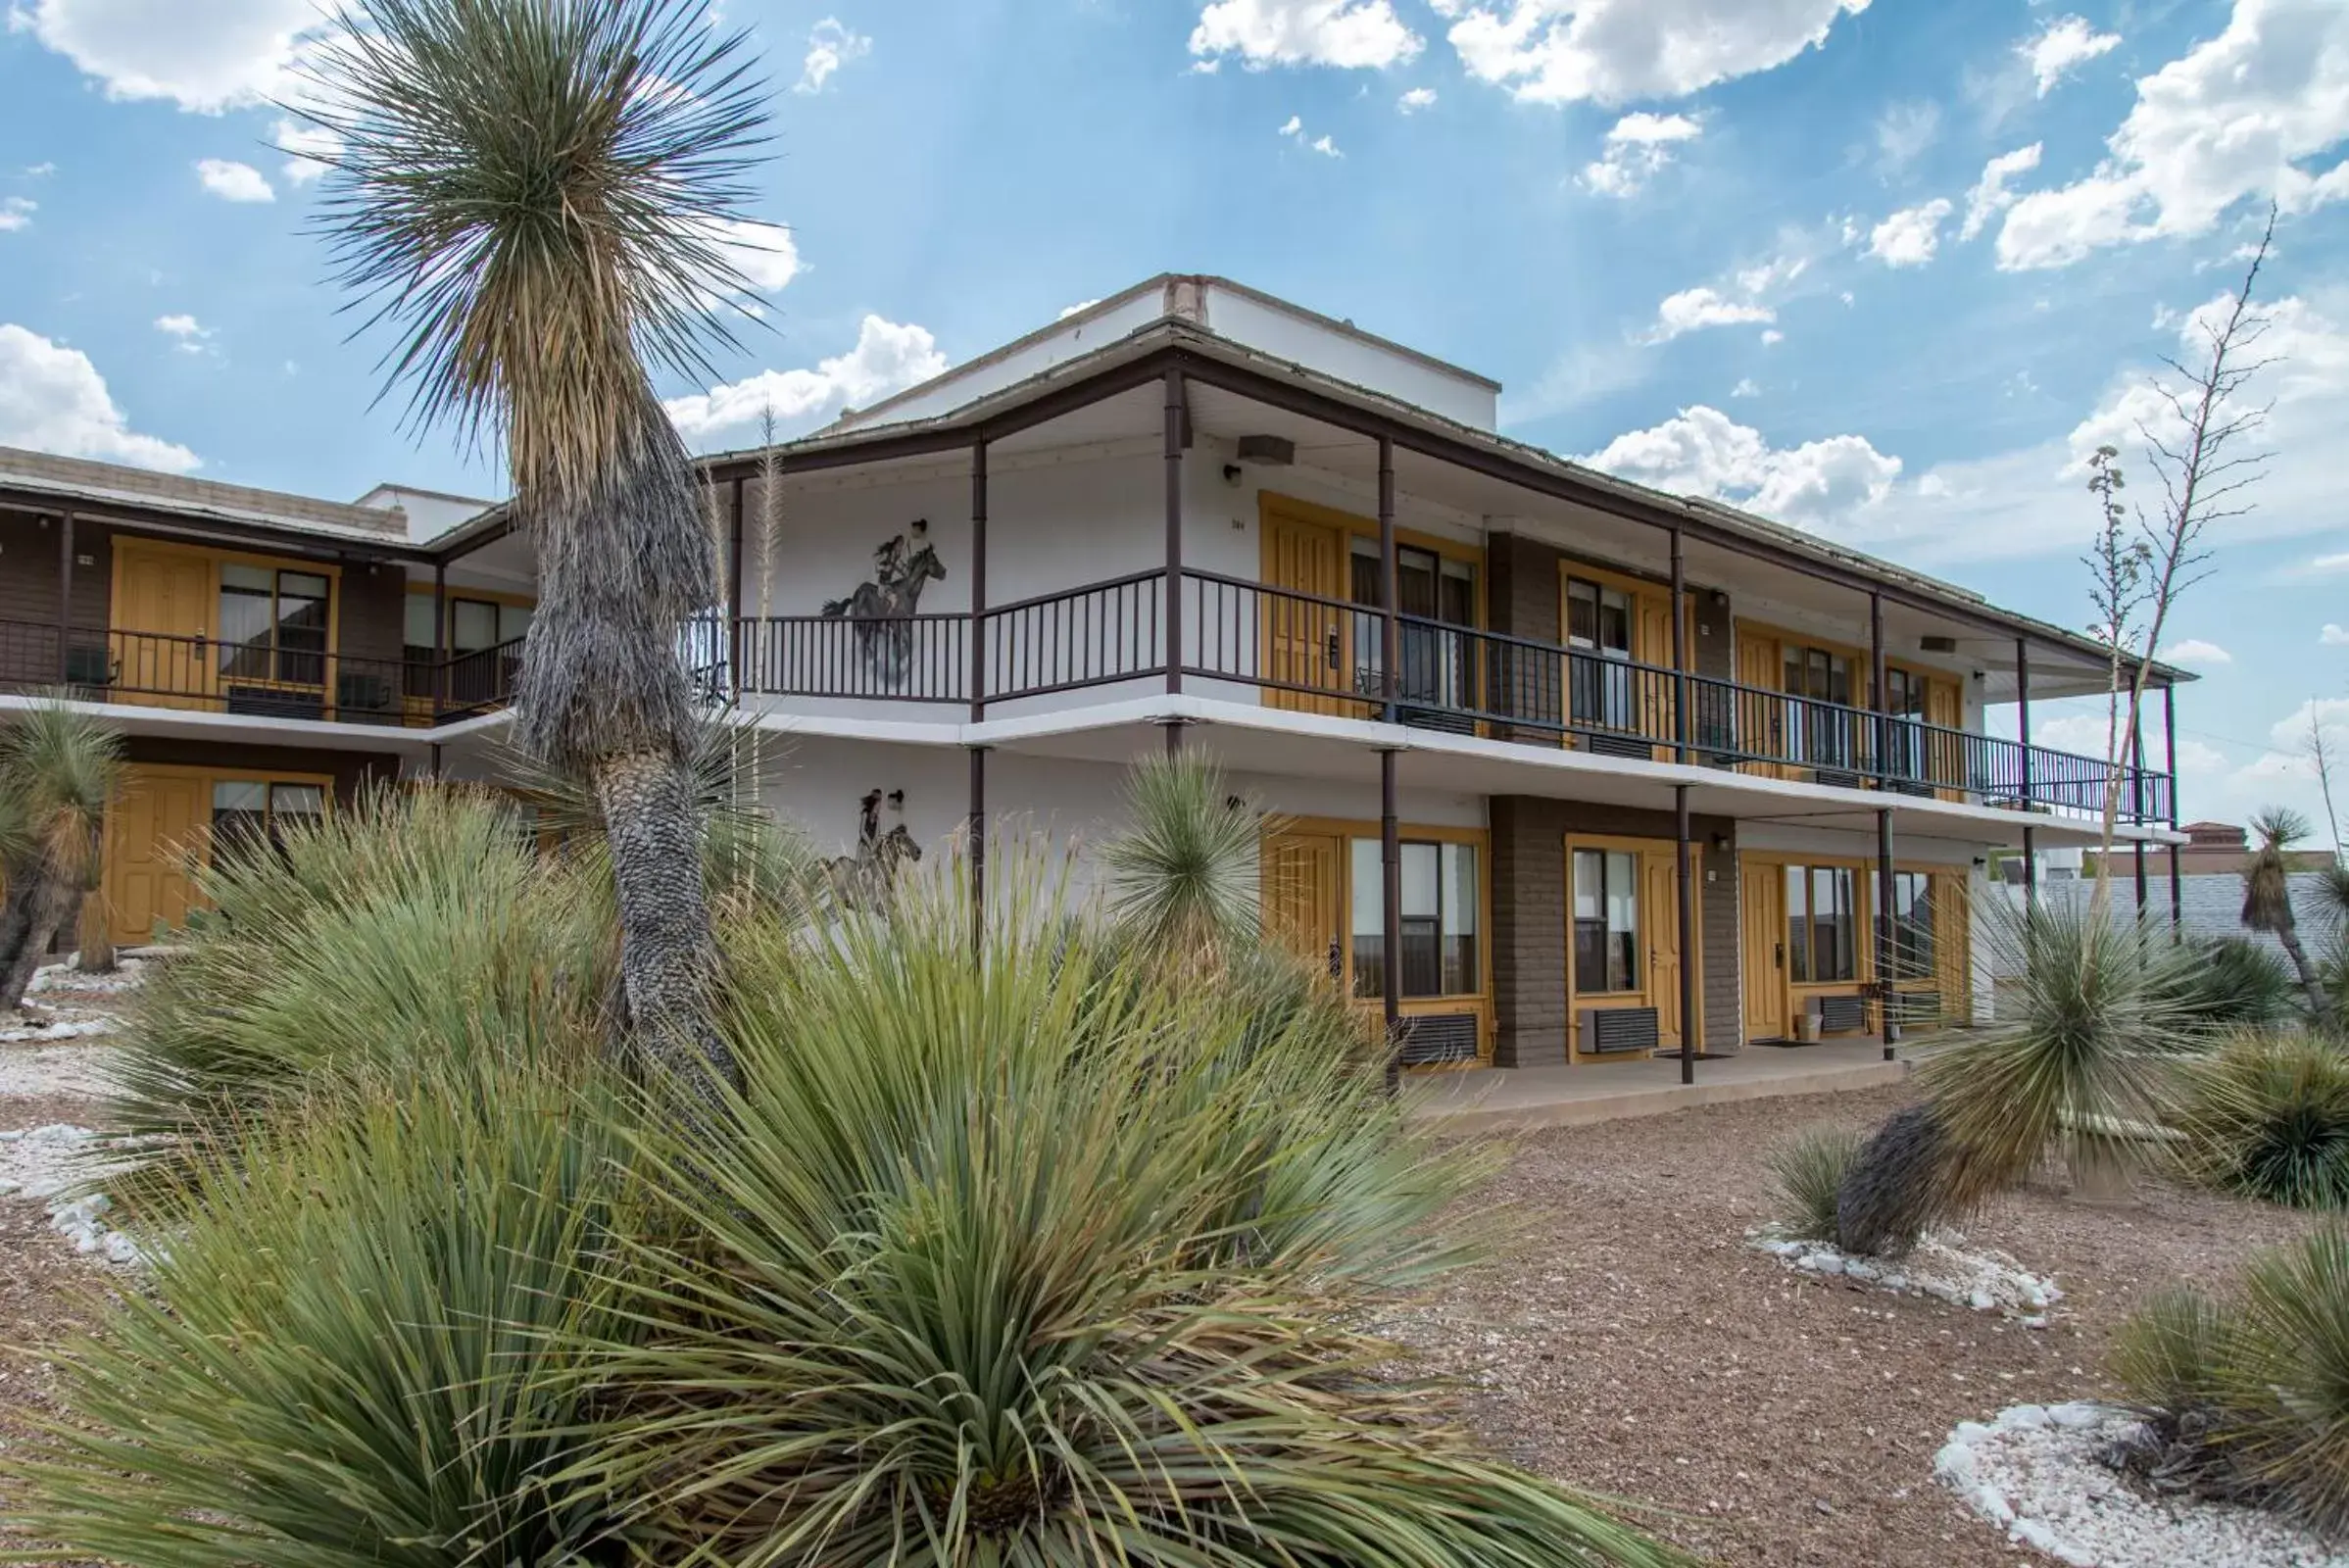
[1878, 691]
[977, 829]
[64, 595]
[1390, 919]
[440, 646]
[1883, 931]
[977, 836]
[734, 598]
[1389, 585]
[1174, 549]
[2177, 901]
[1687, 920]
[978, 580]
[2030, 859]
[2136, 789]
[1679, 701]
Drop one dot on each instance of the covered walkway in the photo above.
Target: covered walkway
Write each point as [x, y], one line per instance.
[1504, 1097]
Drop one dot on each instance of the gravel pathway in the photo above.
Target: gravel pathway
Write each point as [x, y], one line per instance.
[1633, 1342]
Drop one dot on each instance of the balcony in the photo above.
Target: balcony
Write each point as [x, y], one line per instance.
[1238, 638]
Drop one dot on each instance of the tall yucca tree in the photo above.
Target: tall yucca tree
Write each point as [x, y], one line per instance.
[59, 766]
[536, 195]
[2268, 899]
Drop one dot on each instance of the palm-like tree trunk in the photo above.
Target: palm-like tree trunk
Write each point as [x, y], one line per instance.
[2320, 1005]
[52, 897]
[668, 957]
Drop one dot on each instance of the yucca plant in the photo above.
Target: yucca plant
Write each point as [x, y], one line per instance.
[2172, 1355]
[361, 1347]
[1806, 1172]
[2267, 1115]
[539, 197]
[59, 767]
[1033, 1252]
[2077, 1061]
[1182, 876]
[2268, 900]
[404, 931]
[2238, 982]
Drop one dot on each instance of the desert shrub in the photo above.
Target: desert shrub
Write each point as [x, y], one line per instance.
[360, 1348]
[2236, 980]
[406, 929]
[1806, 1171]
[2081, 1051]
[2268, 1116]
[1039, 1253]
[2250, 1392]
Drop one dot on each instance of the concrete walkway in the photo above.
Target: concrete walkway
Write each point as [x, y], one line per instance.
[1497, 1098]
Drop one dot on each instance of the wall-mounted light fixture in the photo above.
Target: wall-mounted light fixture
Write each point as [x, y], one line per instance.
[1720, 843]
[1720, 598]
[1231, 474]
[1277, 450]
[1932, 642]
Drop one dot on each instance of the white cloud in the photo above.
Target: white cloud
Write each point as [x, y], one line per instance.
[39, 170]
[2061, 46]
[1638, 147]
[762, 252]
[1418, 98]
[1910, 237]
[1693, 310]
[1989, 196]
[306, 148]
[1348, 34]
[2246, 115]
[186, 332]
[1701, 451]
[830, 46]
[1081, 305]
[52, 399]
[234, 182]
[2334, 636]
[1903, 132]
[1772, 336]
[2327, 566]
[205, 58]
[16, 212]
[888, 359]
[1746, 388]
[1610, 52]
[2196, 652]
[1295, 130]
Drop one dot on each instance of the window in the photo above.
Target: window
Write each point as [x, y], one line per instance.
[1430, 588]
[476, 626]
[1822, 926]
[1606, 922]
[254, 811]
[1438, 919]
[1912, 925]
[274, 624]
[1824, 735]
[1600, 621]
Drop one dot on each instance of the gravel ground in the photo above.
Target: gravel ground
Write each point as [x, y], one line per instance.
[1632, 1342]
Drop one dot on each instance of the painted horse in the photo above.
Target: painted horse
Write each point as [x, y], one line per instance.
[882, 610]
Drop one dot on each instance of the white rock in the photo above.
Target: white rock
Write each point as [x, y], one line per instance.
[2023, 1418]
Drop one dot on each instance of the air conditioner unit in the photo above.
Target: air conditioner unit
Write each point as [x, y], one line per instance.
[1617, 1031]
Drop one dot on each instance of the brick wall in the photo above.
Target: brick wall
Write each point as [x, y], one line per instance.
[348, 769]
[1532, 1013]
[374, 613]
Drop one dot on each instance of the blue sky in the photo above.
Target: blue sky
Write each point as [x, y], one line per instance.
[1884, 269]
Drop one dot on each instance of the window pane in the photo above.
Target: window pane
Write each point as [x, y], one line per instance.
[514, 622]
[473, 625]
[1615, 622]
[301, 584]
[240, 814]
[1420, 882]
[1367, 917]
[244, 619]
[297, 800]
[1798, 925]
[1623, 921]
[1462, 973]
[1582, 613]
[251, 579]
[418, 632]
[1590, 883]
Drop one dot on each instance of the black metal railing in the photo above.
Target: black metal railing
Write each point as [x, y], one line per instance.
[1310, 652]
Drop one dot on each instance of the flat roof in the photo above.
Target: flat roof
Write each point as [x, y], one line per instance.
[79, 482]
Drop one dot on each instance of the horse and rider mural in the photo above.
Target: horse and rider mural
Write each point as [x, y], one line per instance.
[868, 879]
[882, 610]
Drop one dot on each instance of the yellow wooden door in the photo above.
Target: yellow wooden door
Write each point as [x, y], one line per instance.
[163, 624]
[1762, 718]
[1654, 647]
[1763, 925]
[1953, 949]
[1305, 641]
[1659, 911]
[1304, 910]
[1945, 752]
[156, 819]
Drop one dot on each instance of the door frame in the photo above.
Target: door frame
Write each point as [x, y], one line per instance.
[213, 558]
[205, 777]
[1646, 849]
